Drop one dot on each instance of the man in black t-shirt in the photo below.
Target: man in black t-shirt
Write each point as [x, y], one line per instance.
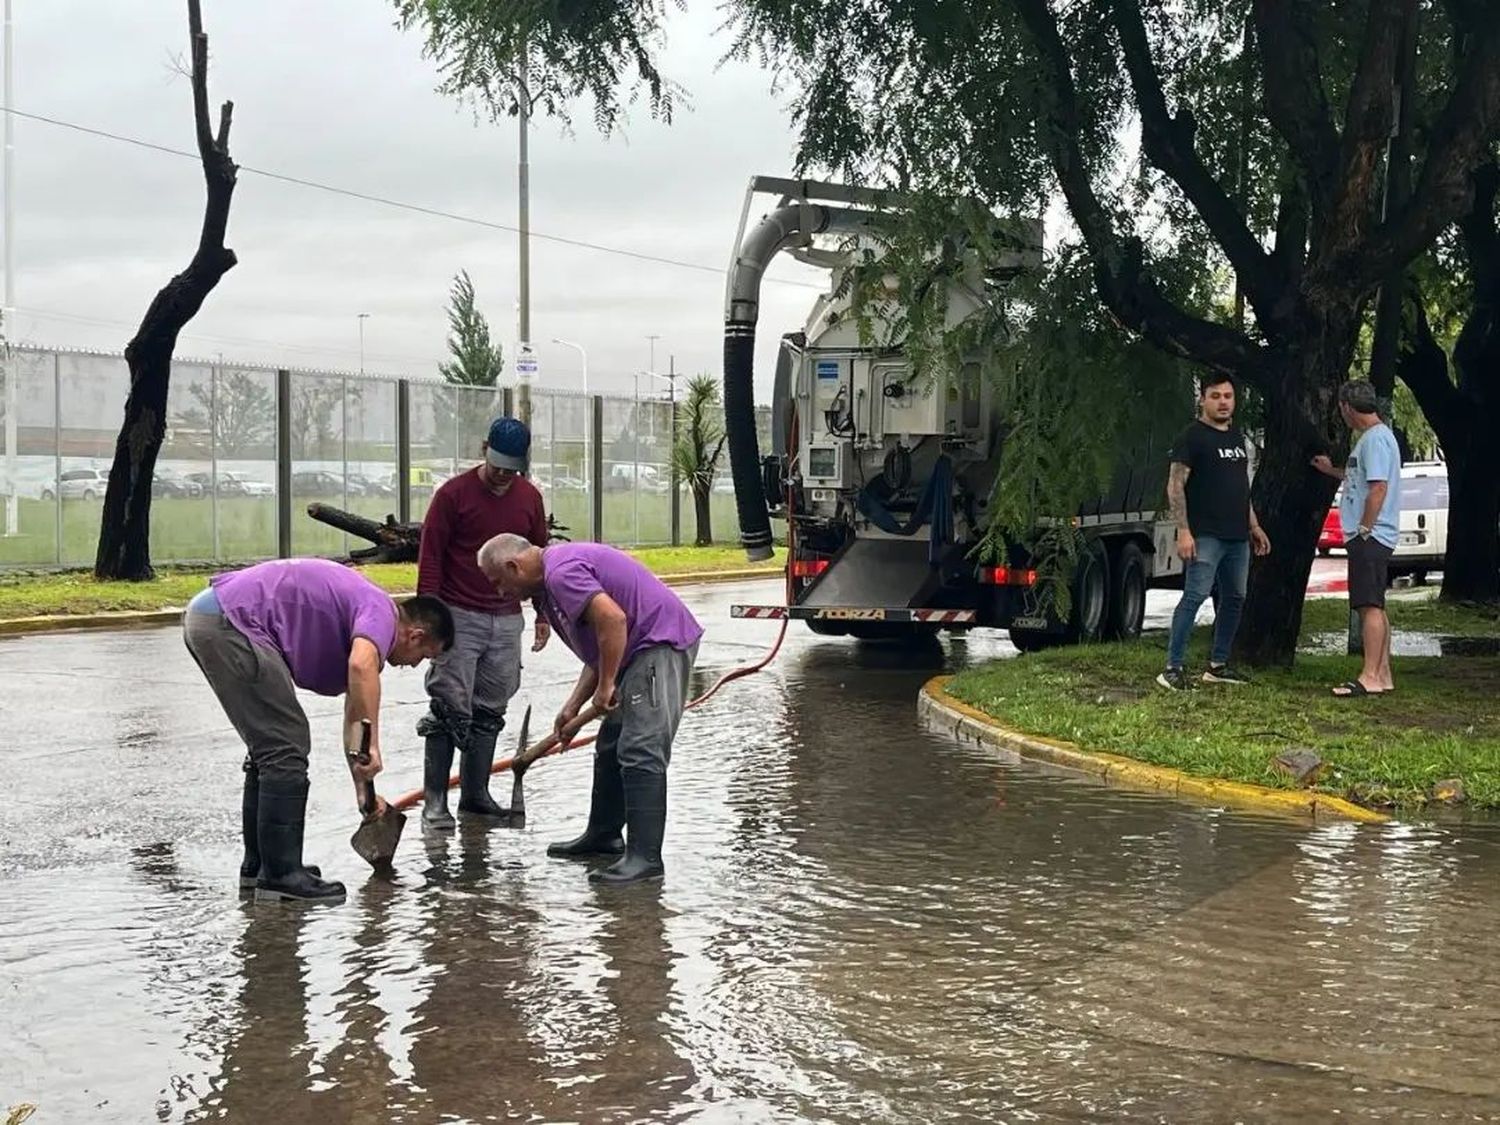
[1209, 493]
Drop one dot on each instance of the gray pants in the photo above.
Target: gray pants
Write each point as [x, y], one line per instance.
[254, 686]
[474, 680]
[653, 692]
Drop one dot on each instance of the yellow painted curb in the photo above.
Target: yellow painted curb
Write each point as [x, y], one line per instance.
[964, 721]
[138, 618]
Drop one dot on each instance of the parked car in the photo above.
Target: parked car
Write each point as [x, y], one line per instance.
[1423, 542]
[79, 484]
[1424, 521]
[232, 483]
[1331, 538]
[362, 485]
[169, 482]
[319, 482]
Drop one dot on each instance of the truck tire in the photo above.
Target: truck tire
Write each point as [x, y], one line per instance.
[827, 628]
[1032, 640]
[1127, 594]
[1090, 614]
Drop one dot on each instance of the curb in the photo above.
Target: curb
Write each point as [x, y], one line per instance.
[968, 724]
[145, 618]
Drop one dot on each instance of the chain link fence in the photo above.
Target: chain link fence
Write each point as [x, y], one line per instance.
[217, 496]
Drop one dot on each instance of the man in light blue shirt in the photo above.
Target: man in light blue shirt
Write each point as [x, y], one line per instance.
[1370, 512]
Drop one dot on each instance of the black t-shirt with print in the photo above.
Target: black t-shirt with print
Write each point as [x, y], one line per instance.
[1218, 484]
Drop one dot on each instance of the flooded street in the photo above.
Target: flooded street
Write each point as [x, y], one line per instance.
[861, 922]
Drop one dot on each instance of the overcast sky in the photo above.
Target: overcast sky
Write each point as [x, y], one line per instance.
[332, 91]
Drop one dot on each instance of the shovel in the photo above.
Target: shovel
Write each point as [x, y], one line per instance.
[376, 838]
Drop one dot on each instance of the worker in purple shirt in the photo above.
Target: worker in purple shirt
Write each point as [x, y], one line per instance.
[261, 633]
[637, 642]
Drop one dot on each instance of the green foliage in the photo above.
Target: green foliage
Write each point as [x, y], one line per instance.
[700, 433]
[477, 361]
[467, 410]
[563, 51]
[1080, 402]
[697, 446]
[240, 412]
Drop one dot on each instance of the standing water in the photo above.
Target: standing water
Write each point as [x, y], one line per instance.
[861, 922]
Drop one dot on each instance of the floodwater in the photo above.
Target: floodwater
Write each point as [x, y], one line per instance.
[862, 922]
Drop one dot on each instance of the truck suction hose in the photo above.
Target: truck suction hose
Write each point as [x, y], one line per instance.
[781, 228]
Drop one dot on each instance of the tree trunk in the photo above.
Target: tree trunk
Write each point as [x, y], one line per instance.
[1290, 497]
[703, 514]
[1471, 569]
[124, 550]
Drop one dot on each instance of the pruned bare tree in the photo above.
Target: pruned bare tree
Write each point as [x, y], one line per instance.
[125, 531]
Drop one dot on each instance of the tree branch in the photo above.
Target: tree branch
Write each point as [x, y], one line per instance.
[1368, 114]
[1168, 142]
[1124, 285]
[1291, 230]
[1295, 101]
[1423, 367]
[1468, 123]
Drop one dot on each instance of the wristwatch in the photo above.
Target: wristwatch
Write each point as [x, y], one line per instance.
[1362, 531]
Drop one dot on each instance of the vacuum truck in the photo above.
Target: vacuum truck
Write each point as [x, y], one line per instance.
[884, 473]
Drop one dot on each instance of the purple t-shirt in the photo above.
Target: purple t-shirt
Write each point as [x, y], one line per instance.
[310, 611]
[573, 573]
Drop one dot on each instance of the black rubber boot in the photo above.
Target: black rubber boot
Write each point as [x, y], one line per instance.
[282, 817]
[474, 776]
[249, 813]
[606, 816]
[646, 818]
[437, 760]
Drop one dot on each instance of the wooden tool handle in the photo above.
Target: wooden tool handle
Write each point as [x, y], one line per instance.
[362, 757]
[584, 718]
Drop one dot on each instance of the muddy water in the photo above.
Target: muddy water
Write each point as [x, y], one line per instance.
[862, 922]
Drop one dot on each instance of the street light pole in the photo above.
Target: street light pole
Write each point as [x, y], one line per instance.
[12, 396]
[589, 410]
[361, 317]
[523, 326]
[583, 356]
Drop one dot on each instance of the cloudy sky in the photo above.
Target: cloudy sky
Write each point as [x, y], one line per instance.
[333, 92]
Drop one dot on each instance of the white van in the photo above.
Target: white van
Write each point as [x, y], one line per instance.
[1424, 520]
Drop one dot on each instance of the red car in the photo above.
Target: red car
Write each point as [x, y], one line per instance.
[1332, 535]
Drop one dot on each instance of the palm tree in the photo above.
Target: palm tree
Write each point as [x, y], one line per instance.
[699, 442]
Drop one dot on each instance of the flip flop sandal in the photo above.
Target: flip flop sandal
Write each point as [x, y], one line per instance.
[1352, 689]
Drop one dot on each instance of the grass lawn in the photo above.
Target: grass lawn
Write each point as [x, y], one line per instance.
[32, 595]
[1443, 721]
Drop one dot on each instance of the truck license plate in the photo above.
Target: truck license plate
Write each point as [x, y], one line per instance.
[1410, 538]
[1030, 622]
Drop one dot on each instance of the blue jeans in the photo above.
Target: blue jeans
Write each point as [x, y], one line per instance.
[1228, 560]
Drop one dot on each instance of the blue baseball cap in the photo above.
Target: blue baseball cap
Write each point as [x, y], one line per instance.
[509, 445]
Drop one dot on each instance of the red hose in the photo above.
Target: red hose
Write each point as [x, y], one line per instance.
[410, 800]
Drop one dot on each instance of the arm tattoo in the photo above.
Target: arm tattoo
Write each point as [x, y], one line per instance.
[1177, 494]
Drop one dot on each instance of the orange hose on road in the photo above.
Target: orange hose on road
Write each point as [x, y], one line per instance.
[412, 799]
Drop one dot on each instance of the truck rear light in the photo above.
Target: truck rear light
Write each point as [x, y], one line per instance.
[808, 568]
[1006, 576]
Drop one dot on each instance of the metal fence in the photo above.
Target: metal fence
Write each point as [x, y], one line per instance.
[248, 447]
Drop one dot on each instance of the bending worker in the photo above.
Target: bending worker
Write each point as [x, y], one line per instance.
[260, 633]
[470, 685]
[637, 642]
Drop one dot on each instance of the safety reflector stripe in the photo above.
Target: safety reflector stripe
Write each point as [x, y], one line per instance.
[853, 613]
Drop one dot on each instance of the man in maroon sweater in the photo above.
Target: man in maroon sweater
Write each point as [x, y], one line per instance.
[470, 684]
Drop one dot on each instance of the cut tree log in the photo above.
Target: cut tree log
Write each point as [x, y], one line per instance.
[394, 542]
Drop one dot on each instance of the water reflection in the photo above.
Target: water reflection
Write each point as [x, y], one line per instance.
[860, 922]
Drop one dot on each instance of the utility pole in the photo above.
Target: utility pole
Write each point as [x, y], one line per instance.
[523, 327]
[7, 316]
[672, 456]
[362, 317]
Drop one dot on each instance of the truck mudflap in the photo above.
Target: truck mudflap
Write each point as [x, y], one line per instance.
[892, 615]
